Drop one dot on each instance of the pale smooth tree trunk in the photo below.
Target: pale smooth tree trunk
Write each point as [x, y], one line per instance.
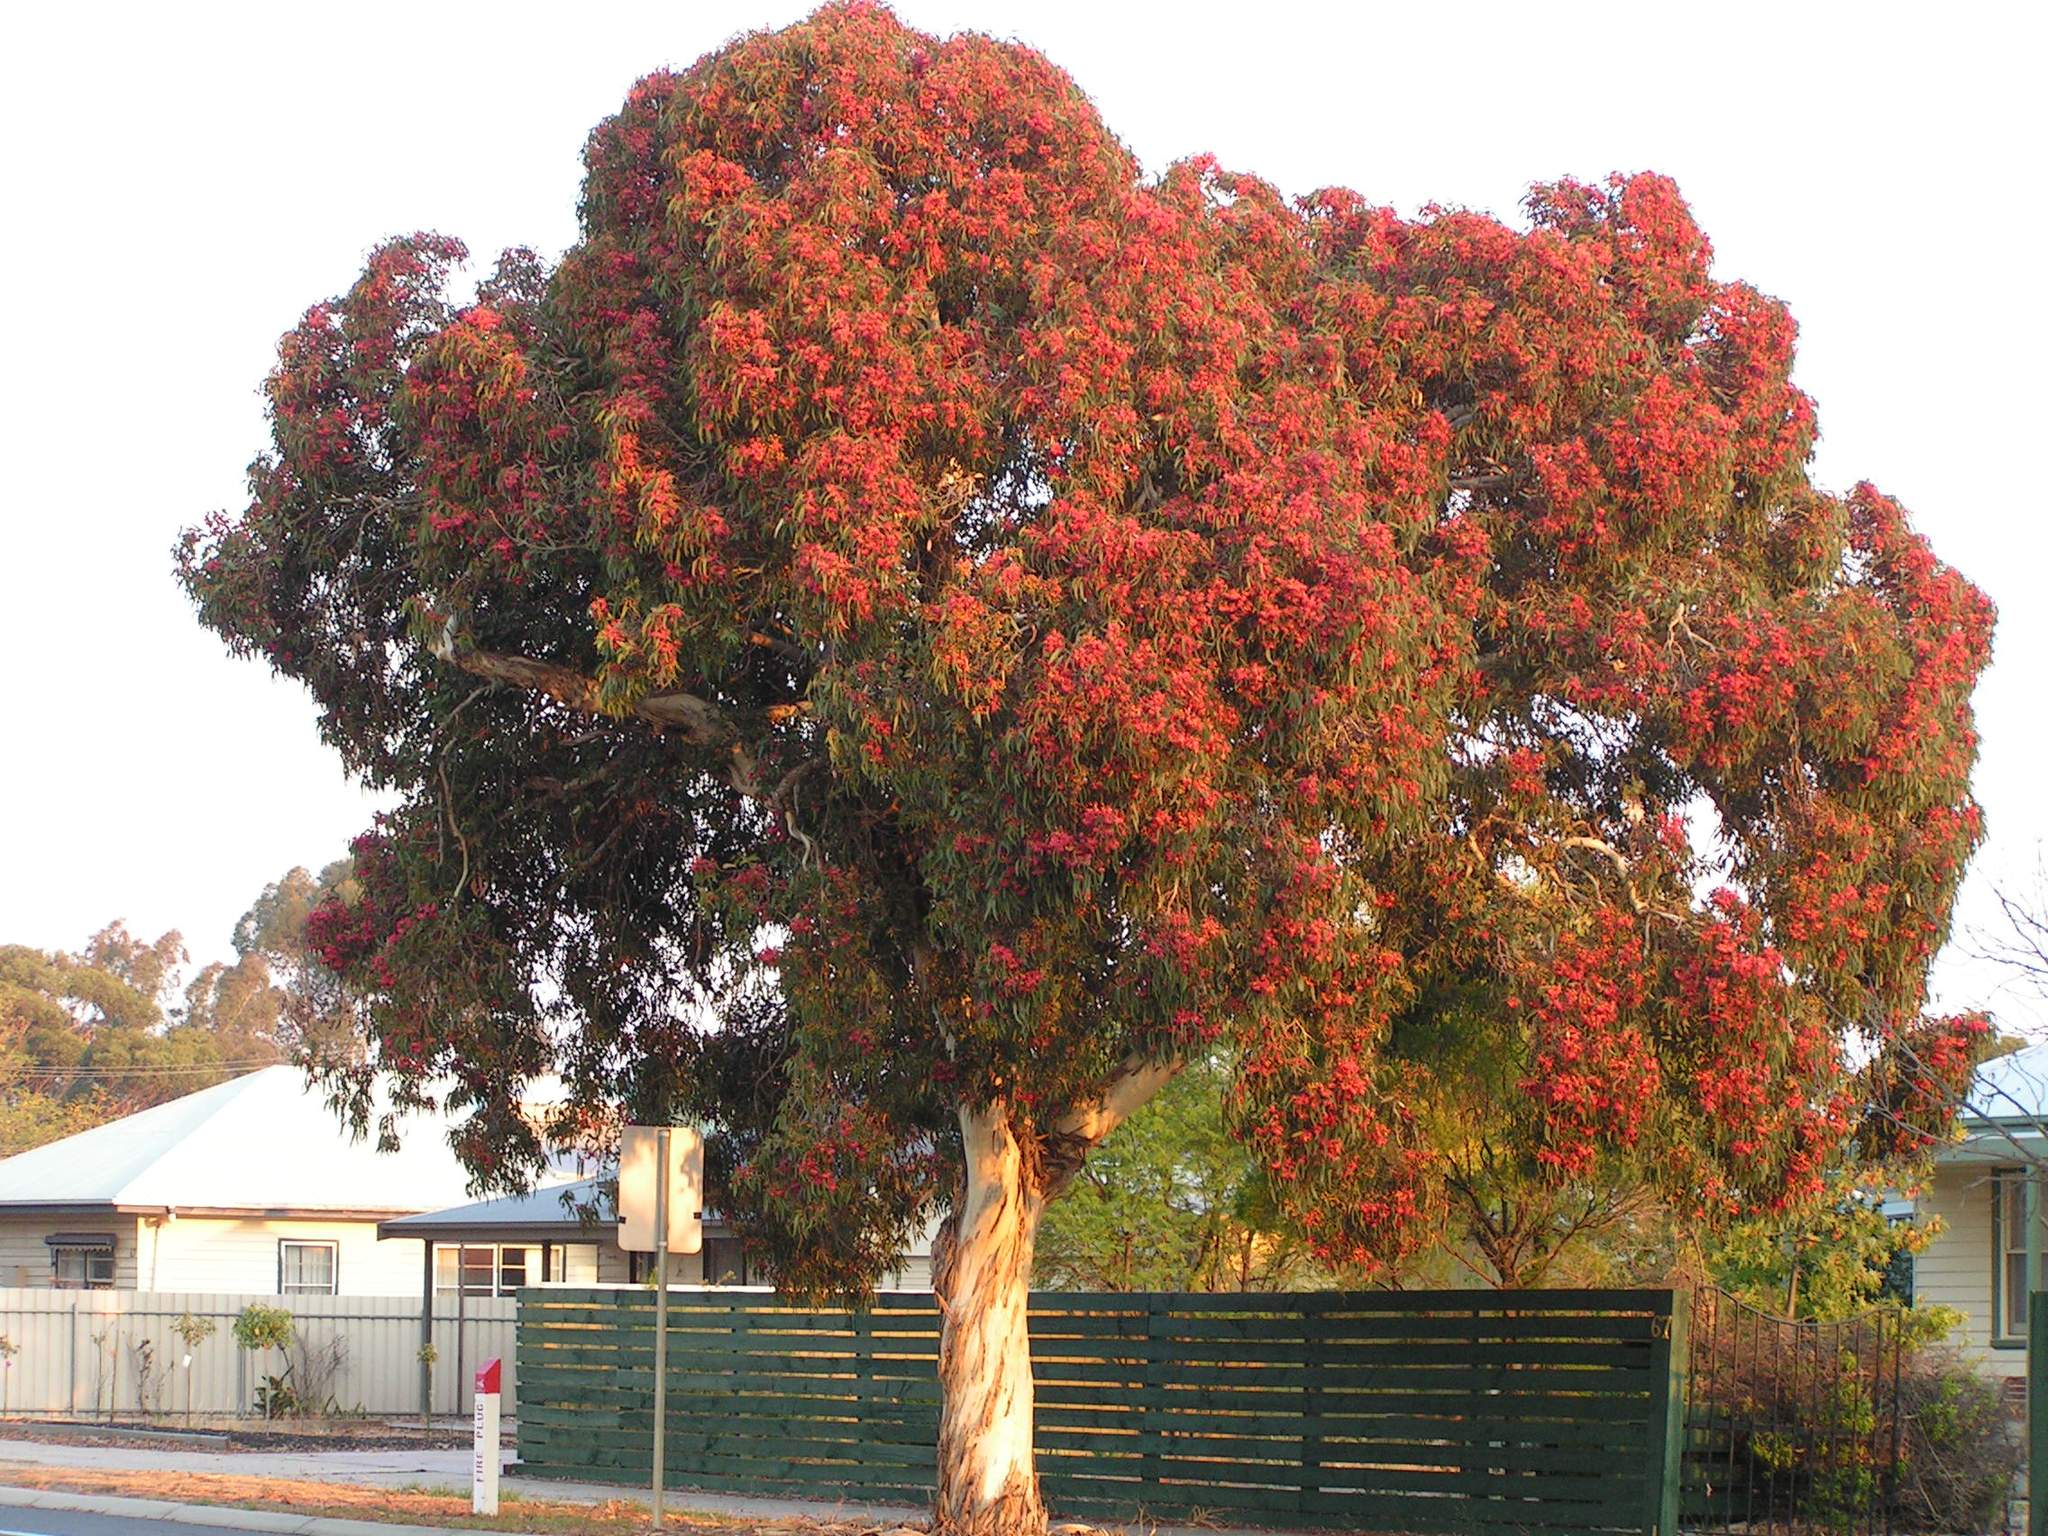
[987, 1484]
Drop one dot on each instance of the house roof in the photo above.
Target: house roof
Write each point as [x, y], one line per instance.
[552, 1213]
[2004, 1118]
[265, 1142]
[2010, 1088]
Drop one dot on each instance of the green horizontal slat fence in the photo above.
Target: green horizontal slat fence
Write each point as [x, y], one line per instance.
[1439, 1411]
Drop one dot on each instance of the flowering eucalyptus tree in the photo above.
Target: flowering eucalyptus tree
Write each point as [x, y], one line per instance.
[911, 628]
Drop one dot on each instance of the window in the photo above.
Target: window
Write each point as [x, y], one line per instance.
[82, 1266]
[486, 1269]
[2009, 1222]
[307, 1269]
[568, 1264]
[640, 1268]
[725, 1261]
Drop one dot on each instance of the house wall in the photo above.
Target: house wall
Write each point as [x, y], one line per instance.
[25, 1258]
[913, 1274]
[613, 1266]
[206, 1253]
[1955, 1268]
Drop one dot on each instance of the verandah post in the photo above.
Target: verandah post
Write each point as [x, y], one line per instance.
[427, 1331]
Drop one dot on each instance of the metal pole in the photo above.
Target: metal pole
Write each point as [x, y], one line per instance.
[427, 1331]
[660, 1316]
[462, 1315]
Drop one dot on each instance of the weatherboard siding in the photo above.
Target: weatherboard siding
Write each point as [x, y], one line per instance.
[195, 1253]
[25, 1257]
[1955, 1268]
[204, 1253]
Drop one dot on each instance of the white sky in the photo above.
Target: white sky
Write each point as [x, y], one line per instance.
[182, 181]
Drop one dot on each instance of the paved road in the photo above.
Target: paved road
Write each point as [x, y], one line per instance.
[67, 1522]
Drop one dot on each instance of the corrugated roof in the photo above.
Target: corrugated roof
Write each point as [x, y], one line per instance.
[266, 1141]
[2012, 1087]
[541, 1207]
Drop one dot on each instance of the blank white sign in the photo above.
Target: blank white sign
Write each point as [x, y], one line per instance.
[639, 1177]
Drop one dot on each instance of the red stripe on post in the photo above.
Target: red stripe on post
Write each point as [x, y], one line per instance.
[488, 1375]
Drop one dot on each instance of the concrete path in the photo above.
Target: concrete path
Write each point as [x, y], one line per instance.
[434, 1469]
[391, 1469]
[425, 1469]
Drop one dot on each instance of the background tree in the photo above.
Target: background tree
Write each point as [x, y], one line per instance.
[115, 1027]
[277, 1000]
[31, 1114]
[1173, 1202]
[95, 1029]
[912, 630]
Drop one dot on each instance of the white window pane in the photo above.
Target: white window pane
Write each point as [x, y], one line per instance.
[308, 1269]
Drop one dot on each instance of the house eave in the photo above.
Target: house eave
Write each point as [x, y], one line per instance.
[514, 1232]
[42, 1208]
[1997, 1141]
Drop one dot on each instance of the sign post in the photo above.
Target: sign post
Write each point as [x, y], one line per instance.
[661, 1210]
[661, 1197]
[485, 1455]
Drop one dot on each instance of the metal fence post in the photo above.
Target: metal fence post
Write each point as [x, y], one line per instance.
[1668, 1345]
[2037, 1413]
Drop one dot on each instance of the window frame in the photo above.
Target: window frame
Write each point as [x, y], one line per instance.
[2007, 1182]
[727, 1244]
[333, 1266]
[498, 1289]
[88, 1253]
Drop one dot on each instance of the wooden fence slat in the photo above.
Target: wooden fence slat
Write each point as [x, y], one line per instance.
[1435, 1411]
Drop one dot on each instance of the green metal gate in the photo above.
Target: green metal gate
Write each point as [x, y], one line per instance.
[1791, 1426]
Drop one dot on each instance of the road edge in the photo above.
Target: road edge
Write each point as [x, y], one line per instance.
[221, 1516]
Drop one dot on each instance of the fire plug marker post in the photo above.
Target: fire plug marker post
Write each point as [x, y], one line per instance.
[485, 1455]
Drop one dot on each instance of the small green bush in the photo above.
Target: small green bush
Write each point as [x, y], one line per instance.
[261, 1327]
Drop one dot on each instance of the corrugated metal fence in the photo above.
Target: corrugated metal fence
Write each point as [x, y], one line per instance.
[100, 1352]
[1468, 1411]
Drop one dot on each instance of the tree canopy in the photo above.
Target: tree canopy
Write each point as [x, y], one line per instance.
[1082, 615]
[912, 628]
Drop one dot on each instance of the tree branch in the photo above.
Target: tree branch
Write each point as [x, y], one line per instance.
[699, 720]
[1134, 1083]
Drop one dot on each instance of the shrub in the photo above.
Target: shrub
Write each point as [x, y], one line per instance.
[1811, 1440]
[261, 1327]
[1960, 1456]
